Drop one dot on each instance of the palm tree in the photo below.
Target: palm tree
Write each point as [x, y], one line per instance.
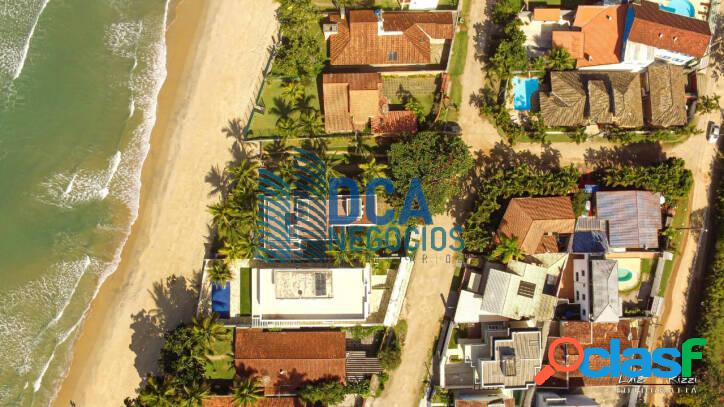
[293, 90]
[241, 248]
[224, 215]
[507, 250]
[579, 136]
[234, 129]
[282, 108]
[245, 175]
[311, 123]
[360, 147]
[341, 255]
[157, 393]
[372, 169]
[194, 395]
[304, 104]
[207, 330]
[247, 392]
[559, 59]
[287, 128]
[219, 274]
[330, 162]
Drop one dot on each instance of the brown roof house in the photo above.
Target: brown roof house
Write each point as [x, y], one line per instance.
[228, 401]
[352, 99]
[536, 221]
[596, 36]
[376, 37]
[284, 361]
[578, 98]
[657, 34]
[633, 217]
[664, 95]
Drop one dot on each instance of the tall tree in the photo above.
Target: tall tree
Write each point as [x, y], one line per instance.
[302, 51]
[157, 393]
[247, 392]
[194, 394]
[559, 59]
[507, 250]
[208, 330]
[219, 274]
[372, 169]
[437, 160]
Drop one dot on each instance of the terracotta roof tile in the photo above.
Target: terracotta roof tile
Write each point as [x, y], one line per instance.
[397, 121]
[350, 100]
[654, 27]
[546, 14]
[529, 219]
[228, 401]
[357, 41]
[283, 361]
[572, 41]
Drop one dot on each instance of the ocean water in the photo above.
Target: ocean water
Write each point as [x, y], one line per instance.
[78, 86]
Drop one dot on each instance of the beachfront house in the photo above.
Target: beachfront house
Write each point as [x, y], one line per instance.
[354, 101]
[389, 38]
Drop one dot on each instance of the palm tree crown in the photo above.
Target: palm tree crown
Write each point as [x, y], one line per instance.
[247, 392]
[507, 250]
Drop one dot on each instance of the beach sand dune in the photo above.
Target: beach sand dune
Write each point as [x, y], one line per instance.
[216, 50]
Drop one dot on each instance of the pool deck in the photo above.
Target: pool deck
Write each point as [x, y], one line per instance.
[634, 265]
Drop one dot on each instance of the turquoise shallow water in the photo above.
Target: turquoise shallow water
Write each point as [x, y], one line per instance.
[78, 87]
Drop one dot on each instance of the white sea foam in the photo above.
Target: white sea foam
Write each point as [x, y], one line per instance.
[23, 15]
[69, 189]
[122, 38]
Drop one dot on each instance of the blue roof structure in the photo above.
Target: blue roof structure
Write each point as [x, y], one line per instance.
[590, 241]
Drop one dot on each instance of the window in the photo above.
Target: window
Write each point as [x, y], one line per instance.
[583, 312]
[577, 296]
[392, 56]
[583, 273]
[576, 276]
[583, 296]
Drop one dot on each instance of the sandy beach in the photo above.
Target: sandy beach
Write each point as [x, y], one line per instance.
[216, 50]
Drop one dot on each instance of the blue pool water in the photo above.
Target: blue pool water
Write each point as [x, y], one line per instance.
[681, 7]
[523, 90]
[624, 275]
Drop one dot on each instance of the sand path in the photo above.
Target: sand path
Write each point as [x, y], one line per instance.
[213, 59]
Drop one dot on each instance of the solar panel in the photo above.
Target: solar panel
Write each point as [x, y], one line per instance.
[526, 289]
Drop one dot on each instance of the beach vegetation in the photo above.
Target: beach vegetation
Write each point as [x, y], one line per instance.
[437, 160]
[502, 184]
[207, 330]
[246, 391]
[506, 250]
[219, 274]
[325, 392]
[710, 317]
[669, 177]
[302, 51]
[157, 393]
[284, 100]
[373, 169]
[193, 395]
[559, 59]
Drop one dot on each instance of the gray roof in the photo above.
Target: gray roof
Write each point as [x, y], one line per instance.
[606, 306]
[515, 360]
[634, 218]
[496, 289]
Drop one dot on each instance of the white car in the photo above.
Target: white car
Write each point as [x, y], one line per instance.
[713, 135]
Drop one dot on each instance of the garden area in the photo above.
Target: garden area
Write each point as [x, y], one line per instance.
[283, 101]
[220, 359]
[245, 291]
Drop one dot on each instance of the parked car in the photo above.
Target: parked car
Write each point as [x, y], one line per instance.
[712, 136]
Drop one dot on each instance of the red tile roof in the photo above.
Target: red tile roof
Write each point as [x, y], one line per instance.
[283, 361]
[600, 38]
[529, 219]
[228, 401]
[358, 42]
[591, 334]
[654, 27]
[397, 121]
[350, 99]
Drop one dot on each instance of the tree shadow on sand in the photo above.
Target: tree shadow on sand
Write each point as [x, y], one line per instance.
[175, 299]
[643, 153]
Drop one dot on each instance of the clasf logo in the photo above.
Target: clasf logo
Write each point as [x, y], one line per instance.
[640, 362]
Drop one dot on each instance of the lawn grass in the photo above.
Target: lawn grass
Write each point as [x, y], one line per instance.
[245, 291]
[221, 362]
[681, 220]
[456, 66]
[550, 138]
[647, 266]
[263, 125]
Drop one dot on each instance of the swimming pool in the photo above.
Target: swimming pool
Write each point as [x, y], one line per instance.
[681, 7]
[624, 275]
[523, 90]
